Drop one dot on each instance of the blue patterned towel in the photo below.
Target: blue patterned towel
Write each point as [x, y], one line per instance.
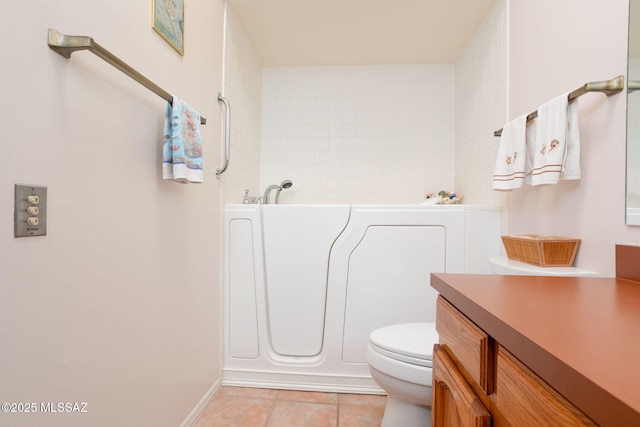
[182, 144]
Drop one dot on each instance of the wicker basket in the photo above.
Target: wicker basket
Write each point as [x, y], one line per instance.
[545, 251]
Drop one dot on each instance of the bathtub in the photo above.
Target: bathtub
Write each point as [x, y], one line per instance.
[306, 284]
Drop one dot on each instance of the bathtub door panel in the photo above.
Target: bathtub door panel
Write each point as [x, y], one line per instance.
[243, 319]
[388, 282]
[297, 241]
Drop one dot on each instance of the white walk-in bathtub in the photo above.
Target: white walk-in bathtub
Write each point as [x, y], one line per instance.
[306, 284]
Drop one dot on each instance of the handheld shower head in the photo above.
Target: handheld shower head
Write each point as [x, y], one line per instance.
[283, 186]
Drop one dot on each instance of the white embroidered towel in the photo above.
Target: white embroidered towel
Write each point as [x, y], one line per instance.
[532, 129]
[510, 166]
[182, 144]
[557, 148]
[571, 168]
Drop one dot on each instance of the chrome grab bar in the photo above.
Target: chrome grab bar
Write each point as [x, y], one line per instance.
[65, 45]
[227, 134]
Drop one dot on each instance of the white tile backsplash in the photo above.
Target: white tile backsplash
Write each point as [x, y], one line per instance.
[358, 134]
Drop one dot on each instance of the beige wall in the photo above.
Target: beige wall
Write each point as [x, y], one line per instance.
[556, 47]
[118, 306]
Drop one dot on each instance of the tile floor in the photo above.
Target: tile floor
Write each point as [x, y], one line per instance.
[255, 407]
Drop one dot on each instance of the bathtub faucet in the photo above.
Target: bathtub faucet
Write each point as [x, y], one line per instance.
[265, 198]
[283, 186]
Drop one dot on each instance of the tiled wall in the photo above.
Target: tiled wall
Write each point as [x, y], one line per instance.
[481, 107]
[368, 134]
[358, 134]
[243, 89]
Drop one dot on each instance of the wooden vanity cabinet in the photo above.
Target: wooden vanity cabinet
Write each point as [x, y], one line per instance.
[477, 382]
[454, 401]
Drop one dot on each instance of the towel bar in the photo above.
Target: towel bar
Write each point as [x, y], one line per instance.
[608, 87]
[65, 45]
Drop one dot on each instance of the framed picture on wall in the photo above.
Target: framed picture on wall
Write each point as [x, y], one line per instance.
[168, 21]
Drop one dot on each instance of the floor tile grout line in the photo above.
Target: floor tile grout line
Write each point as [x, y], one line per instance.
[273, 405]
[281, 397]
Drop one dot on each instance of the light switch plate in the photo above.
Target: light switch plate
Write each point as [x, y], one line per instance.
[26, 222]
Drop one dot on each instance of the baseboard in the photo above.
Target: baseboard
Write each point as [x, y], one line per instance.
[202, 404]
[302, 382]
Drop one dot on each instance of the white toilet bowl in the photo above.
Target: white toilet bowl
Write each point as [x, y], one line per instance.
[399, 358]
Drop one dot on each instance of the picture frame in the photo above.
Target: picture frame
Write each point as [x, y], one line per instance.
[168, 21]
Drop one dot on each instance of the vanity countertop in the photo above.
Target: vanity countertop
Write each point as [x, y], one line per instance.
[581, 335]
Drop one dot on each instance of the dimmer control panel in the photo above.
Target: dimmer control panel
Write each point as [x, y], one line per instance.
[30, 210]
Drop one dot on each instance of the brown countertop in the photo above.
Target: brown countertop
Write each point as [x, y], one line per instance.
[581, 335]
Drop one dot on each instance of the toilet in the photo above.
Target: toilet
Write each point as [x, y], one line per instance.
[400, 361]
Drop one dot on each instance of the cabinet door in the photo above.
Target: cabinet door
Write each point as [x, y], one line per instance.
[454, 402]
[525, 399]
[472, 348]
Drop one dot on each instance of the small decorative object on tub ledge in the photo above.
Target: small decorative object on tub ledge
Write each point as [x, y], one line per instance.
[545, 251]
[442, 198]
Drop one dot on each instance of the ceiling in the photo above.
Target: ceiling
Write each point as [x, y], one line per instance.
[358, 32]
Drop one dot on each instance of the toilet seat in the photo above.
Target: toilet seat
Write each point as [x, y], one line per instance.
[406, 342]
[399, 358]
